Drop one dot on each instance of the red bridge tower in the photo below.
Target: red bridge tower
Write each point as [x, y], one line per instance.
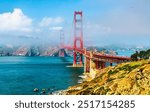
[78, 39]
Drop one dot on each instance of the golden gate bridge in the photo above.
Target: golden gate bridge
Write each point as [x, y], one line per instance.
[90, 57]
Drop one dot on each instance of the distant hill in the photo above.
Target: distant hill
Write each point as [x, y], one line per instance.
[26, 50]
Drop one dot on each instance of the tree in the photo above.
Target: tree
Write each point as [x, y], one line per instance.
[134, 57]
[140, 55]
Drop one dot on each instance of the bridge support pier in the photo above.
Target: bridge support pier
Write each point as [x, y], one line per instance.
[91, 66]
[111, 64]
[86, 62]
[78, 60]
[103, 65]
[86, 65]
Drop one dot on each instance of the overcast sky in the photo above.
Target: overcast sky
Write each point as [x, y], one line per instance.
[124, 22]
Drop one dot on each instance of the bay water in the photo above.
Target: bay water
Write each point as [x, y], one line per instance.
[20, 75]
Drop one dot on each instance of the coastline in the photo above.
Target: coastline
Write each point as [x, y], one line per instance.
[64, 92]
[130, 78]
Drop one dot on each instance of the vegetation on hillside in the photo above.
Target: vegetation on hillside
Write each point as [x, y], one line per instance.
[141, 55]
[131, 78]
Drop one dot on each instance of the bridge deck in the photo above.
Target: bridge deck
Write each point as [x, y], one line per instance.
[100, 57]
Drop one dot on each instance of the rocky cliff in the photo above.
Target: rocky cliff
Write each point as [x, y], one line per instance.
[131, 78]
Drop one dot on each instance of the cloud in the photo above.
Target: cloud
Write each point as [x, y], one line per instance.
[129, 19]
[15, 21]
[127, 23]
[94, 28]
[56, 28]
[16, 25]
[47, 21]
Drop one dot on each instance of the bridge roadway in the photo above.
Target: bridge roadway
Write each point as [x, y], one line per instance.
[97, 56]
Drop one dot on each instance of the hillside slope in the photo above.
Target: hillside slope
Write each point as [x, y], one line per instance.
[131, 78]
